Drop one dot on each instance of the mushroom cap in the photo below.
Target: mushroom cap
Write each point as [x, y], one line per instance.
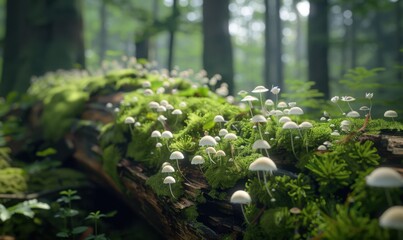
[249, 98]
[158, 145]
[169, 180]
[168, 169]
[166, 134]
[290, 125]
[222, 132]
[161, 118]
[384, 177]
[263, 164]
[153, 105]
[164, 103]
[176, 155]
[211, 150]
[240, 197]
[129, 120]
[260, 89]
[295, 210]
[306, 125]
[275, 90]
[276, 112]
[269, 102]
[219, 118]
[258, 119]
[177, 112]
[347, 99]
[282, 105]
[345, 123]
[161, 108]
[207, 141]
[284, 119]
[322, 148]
[261, 144]
[296, 111]
[230, 136]
[165, 164]
[156, 134]
[392, 218]
[390, 113]
[353, 114]
[197, 159]
[220, 153]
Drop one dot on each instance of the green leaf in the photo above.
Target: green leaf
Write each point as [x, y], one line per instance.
[4, 213]
[62, 234]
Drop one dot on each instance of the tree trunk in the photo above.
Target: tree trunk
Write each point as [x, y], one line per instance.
[102, 32]
[380, 62]
[40, 37]
[173, 25]
[318, 44]
[217, 46]
[299, 43]
[273, 48]
[399, 33]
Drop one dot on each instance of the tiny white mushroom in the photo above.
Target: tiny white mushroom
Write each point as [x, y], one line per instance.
[392, 218]
[170, 180]
[241, 197]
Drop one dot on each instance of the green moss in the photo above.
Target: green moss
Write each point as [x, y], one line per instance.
[161, 189]
[13, 180]
[111, 157]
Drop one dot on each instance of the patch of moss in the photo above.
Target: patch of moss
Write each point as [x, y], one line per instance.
[162, 190]
[13, 180]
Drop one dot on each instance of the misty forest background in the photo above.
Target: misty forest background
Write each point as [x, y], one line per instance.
[249, 42]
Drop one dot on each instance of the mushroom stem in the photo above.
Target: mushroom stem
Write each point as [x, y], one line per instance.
[177, 164]
[261, 103]
[170, 189]
[210, 158]
[388, 197]
[258, 177]
[250, 108]
[292, 145]
[260, 132]
[201, 170]
[232, 152]
[265, 184]
[244, 215]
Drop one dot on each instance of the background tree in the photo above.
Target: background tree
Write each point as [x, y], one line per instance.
[40, 37]
[318, 44]
[273, 71]
[217, 46]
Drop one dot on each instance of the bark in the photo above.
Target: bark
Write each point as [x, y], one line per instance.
[318, 44]
[273, 48]
[142, 46]
[40, 37]
[217, 46]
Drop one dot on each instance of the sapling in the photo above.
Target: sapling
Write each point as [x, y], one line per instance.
[96, 217]
[67, 213]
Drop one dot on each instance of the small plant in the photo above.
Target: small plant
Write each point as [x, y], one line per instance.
[67, 213]
[96, 217]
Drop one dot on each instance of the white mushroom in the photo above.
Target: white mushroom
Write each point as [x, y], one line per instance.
[392, 218]
[241, 197]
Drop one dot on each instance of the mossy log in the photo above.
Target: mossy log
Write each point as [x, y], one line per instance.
[216, 219]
